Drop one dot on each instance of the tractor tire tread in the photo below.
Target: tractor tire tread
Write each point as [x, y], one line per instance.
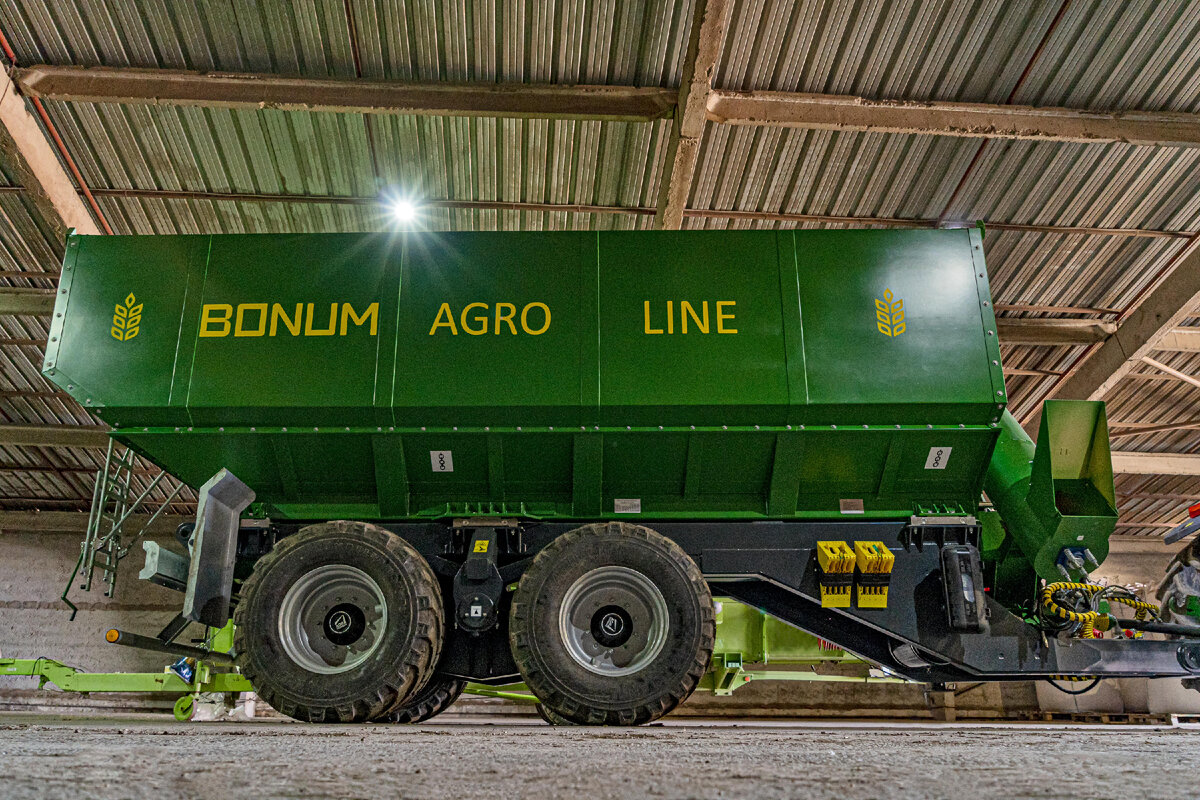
[522, 622]
[419, 662]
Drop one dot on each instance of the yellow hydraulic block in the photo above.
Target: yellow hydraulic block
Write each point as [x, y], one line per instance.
[836, 560]
[874, 562]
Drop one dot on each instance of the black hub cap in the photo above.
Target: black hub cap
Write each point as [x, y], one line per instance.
[344, 624]
[611, 626]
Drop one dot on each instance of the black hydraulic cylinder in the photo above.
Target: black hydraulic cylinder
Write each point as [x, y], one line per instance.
[115, 636]
[1151, 626]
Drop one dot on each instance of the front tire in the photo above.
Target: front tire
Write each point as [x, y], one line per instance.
[612, 624]
[339, 623]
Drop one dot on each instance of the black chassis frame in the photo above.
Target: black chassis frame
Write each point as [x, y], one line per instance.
[773, 566]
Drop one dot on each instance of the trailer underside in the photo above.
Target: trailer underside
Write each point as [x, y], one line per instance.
[773, 566]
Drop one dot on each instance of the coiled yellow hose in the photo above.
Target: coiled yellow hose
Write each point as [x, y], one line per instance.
[1088, 619]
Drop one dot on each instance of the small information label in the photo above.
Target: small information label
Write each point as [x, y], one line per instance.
[442, 460]
[627, 506]
[938, 457]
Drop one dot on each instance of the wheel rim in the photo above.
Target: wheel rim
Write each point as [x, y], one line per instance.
[332, 619]
[613, 621]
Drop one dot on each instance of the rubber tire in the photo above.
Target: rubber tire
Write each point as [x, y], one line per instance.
[432, 699]
[550, 718]
[406, 655]
[582, 697]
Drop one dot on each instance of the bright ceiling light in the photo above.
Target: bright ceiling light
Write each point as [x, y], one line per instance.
[404, 211]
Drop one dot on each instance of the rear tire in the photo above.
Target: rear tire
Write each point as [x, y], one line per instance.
[550, 718]
[429, 701]
[339, 623]
[612, 624]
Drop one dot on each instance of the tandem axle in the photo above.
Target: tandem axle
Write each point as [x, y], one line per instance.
[929, 629]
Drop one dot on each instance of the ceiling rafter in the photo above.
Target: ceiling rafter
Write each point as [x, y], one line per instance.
[709, 23]
[1152, 325]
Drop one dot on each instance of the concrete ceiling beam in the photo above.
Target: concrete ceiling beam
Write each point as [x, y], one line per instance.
[76, 522]
[696, 99]
[38, 168]
[1140, 545]
[709, 23]
[33, 302]
[939, 118]
[238, 90]
[1141, 333]
[1179, 340]
[53, 436]
[1155, 463]
[1053, 331]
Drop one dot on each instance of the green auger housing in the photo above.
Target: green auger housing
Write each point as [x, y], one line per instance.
[1055, 501]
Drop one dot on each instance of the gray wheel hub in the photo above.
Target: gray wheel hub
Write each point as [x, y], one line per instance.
[332, 619]
[613, 621]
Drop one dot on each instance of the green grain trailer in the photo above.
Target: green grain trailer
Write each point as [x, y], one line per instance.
[429, 458]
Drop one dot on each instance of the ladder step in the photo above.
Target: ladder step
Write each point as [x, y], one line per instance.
[117, 493]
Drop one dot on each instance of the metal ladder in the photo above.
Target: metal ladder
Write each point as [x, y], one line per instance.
[110, 533]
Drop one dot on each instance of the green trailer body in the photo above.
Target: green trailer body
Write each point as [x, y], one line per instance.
[513, 431]
[755, 374]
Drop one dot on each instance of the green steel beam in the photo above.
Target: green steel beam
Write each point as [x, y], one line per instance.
[70, 679]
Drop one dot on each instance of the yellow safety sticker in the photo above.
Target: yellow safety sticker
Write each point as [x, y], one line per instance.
[481, 546]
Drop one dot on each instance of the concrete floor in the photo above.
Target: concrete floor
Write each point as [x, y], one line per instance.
[42, 757]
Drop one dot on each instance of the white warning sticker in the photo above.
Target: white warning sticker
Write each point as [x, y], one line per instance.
[938, 456]
[627, 506]
[441, 460]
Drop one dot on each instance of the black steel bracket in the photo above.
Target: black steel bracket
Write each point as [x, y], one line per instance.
[477, 584]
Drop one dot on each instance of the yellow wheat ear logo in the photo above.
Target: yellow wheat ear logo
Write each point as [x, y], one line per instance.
[127, 319]
[889, 314]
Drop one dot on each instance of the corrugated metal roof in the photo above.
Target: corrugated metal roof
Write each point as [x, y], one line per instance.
[563, 41]
[826, 172]
[1099, 54]
[302, 153]
[913, 49]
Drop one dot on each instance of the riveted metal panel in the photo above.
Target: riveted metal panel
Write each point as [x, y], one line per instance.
[115, 333]
[691, 329]
[289, 330]
[892, 328]
[568, 375]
